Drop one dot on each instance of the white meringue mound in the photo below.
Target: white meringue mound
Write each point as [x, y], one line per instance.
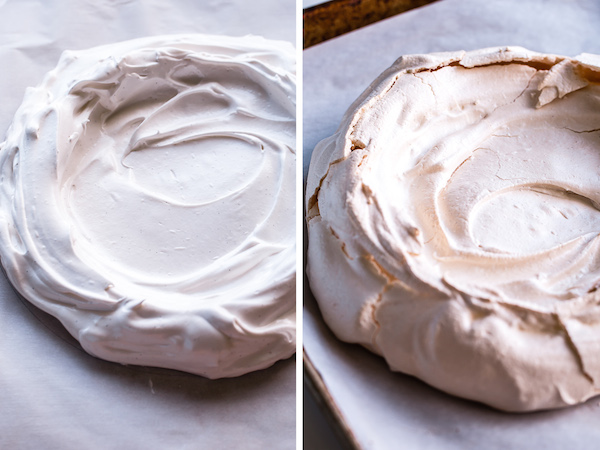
[454, 225]
[147, 200]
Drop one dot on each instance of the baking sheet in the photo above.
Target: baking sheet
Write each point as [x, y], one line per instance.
[52, 394]
[390, 410]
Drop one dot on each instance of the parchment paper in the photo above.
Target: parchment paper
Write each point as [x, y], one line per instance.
[309, 3]
[390, 410]
[52, 394]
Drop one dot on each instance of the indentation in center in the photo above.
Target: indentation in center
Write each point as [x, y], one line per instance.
[197, 171]
[528, 219]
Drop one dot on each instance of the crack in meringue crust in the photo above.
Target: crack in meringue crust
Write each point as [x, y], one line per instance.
[147, 193]
[454, 224]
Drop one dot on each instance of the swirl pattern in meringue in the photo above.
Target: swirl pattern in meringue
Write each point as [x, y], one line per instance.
[454, 224]
[148, 201]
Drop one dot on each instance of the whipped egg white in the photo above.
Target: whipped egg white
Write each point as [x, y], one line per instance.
[454, 224]
[147, 201]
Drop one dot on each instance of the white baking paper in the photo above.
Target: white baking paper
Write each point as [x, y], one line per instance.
[388, 410]
[52, 394]
[309, 3]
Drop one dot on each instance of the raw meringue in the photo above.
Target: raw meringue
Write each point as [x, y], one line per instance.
[148, 201]
[454, 224]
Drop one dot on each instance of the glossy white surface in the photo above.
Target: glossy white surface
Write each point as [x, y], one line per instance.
[148, 201]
